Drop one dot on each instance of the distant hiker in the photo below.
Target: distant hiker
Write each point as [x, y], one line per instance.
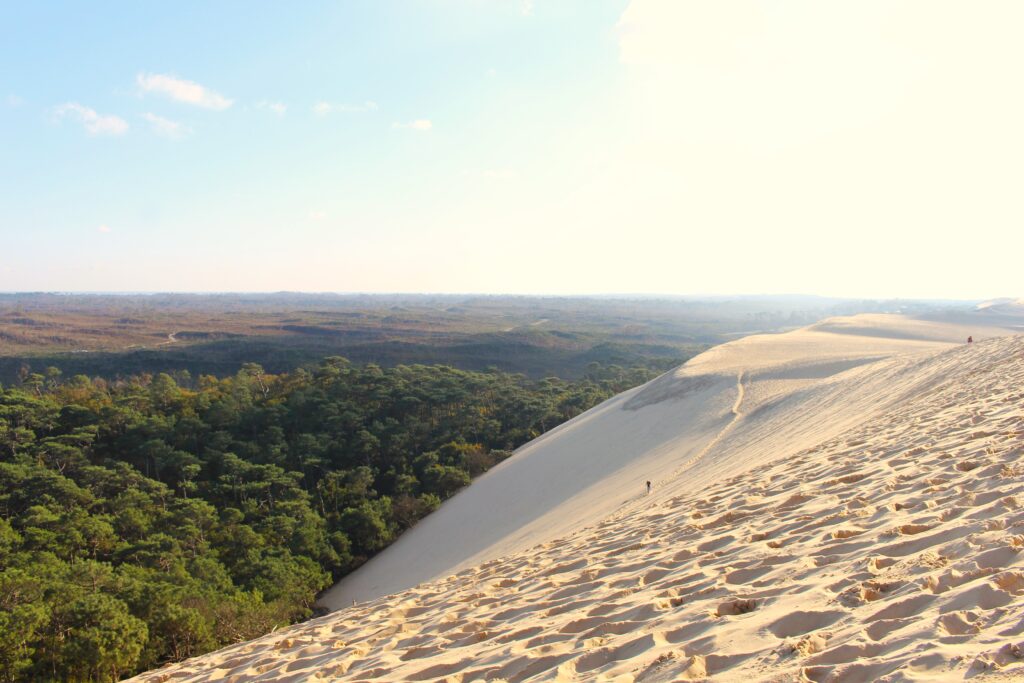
[970, 340]
[648, 488]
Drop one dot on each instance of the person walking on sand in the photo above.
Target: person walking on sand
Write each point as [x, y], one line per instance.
[970, 340]
[648, 488]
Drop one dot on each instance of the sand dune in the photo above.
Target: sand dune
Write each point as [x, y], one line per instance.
[577, 474]
[839, 503]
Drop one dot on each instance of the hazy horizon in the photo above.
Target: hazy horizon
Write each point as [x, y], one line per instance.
[592, 295]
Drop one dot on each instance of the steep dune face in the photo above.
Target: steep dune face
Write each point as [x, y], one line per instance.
[836, 503]
[779, 385]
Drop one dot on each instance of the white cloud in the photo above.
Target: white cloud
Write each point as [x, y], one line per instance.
[166, 127]
[418, 124]
[526, 7]
[325, 108]
[94, 123]
[104, 229]
[278, 108]
[317, 215]
[181, 90]
[491, 73]
[13, 101]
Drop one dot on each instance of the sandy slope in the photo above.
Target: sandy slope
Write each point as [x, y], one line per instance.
[837, 503]
[577, 474]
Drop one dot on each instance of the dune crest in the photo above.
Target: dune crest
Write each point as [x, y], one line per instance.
[834, 504]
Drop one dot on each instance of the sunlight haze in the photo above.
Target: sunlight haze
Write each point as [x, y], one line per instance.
[575, 147]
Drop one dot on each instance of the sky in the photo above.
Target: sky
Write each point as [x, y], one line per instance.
[868, 149]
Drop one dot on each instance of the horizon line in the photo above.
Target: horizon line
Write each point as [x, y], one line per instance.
[544, 295]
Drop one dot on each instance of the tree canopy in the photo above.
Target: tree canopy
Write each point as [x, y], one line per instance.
[155, 518]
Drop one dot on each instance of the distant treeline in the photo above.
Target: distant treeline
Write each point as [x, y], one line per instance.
[152, 519]
[533, 355]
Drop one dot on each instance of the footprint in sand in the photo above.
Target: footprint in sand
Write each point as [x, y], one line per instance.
[735, 607]
[840, 534]
[800, 622]
[745, 576]
[1008, 655]
[958, 623]
[870, 591]
[809, 644]
[881, 629]
[984, 596]
[903, 609]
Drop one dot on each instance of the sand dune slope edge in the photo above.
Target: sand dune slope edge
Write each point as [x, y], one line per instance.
[890, 551]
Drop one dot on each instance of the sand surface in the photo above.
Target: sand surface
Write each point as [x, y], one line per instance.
[839, 503]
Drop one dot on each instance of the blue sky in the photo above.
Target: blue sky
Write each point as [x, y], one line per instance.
[577, 146]
[271, 168]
